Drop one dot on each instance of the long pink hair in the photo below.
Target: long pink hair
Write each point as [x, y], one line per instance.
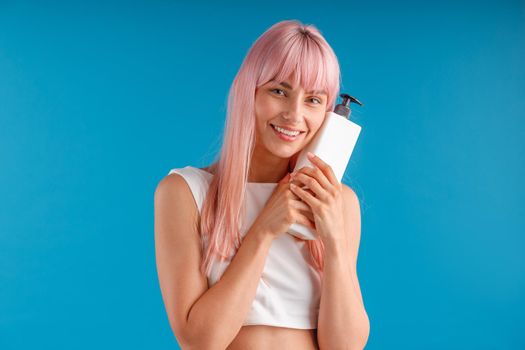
[286, 47]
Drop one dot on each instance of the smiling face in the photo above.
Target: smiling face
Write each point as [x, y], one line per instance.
[291, 108]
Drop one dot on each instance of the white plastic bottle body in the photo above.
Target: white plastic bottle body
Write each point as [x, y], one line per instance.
[334, 143]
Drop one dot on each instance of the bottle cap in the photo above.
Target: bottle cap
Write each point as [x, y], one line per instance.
[343, 109]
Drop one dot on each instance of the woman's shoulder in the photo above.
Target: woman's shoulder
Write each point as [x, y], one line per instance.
[173, 185]
[184, 184]
[174, 199]
[192, 174]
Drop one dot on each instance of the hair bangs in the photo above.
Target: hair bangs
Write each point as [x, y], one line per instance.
[301, 59]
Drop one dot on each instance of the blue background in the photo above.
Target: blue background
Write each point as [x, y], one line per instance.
[99, 101]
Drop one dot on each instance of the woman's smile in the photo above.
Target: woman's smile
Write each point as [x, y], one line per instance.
[286, 136]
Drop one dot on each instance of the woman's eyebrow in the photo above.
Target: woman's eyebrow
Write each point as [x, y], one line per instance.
[288, 86]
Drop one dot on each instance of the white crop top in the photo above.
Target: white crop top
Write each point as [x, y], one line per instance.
[289, 291]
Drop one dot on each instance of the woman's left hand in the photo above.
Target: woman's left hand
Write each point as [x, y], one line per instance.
[325, 199]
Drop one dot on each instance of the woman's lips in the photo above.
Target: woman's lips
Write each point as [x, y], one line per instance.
[286, 137]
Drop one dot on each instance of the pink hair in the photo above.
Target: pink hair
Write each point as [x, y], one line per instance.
[286, 47]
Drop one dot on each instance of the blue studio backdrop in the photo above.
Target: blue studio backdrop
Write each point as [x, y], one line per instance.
[98, 101]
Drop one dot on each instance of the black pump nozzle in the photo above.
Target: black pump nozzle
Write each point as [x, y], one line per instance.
[343, 109]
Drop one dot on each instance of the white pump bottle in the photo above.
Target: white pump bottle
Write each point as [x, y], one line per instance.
[334, 144]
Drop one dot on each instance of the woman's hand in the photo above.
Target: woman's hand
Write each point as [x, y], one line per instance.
[283, 209]
[324, 196]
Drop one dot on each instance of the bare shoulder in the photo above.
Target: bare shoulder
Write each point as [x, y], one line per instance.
[174, 190]
[170, 184]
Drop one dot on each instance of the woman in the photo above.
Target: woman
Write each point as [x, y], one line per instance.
[231, 276]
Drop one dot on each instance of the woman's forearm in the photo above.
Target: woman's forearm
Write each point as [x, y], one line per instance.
[217, 316]
[343, 322]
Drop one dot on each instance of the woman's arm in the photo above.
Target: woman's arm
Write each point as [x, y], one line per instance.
[343, 322]
[202, 318]
[219, 314]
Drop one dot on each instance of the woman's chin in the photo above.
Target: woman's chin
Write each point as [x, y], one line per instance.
[286, 153]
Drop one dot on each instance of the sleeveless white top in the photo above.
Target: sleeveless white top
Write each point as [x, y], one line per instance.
[289, 290]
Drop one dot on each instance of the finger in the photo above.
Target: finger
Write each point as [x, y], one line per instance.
[317, 174]
[303, 220]
[309, 215]
[300, 205]
[285, 179]
[305, 196]
[312, 184]
[304, 188]
[303, 208]
[324, 167]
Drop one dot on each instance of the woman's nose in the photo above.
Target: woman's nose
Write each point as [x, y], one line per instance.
[295, 110]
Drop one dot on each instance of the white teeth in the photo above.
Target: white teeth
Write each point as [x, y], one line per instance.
[286, 132]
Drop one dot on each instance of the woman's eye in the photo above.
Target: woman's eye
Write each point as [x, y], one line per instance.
[312, 99]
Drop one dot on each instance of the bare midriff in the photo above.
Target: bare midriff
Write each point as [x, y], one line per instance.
[261, 337]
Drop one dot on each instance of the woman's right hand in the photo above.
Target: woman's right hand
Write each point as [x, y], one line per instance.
[283, 209]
